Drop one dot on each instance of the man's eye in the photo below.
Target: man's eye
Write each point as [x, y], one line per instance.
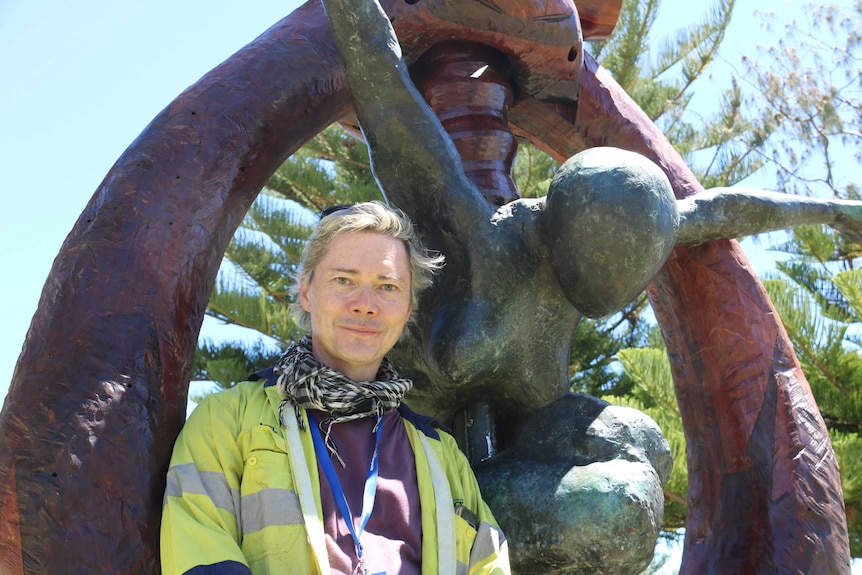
[341, 281]
[389, 287]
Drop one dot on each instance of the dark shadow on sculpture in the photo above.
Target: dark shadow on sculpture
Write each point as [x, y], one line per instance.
[104, 371]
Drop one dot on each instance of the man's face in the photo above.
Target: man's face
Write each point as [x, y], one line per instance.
[359, 301]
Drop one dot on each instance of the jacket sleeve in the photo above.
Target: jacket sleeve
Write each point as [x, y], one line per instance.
[489, 553]
[199, 531]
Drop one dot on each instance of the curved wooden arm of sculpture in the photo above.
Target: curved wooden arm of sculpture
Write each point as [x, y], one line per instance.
[723, 213]
[402, 132]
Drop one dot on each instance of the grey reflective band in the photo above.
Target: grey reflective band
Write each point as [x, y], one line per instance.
[187, 480]
[307, 501]
[489, 541]
[446, 558]
[270, 507]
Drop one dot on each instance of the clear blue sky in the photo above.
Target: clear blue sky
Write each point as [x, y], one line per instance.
[79, 81]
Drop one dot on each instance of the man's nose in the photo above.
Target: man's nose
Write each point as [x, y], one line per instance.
[364, 301]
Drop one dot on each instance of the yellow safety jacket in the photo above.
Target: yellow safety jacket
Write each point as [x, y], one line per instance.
[243, 495]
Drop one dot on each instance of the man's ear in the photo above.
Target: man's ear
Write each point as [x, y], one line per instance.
[304, 300]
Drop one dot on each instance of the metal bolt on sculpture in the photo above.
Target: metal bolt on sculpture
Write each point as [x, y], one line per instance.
[99, 392]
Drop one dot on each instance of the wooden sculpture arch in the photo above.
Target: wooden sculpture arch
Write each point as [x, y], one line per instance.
[103, 375]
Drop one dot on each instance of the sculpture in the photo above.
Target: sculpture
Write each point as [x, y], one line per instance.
[126, 395]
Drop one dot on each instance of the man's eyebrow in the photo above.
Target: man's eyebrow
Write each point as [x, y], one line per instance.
[391, 278]
[343, 270]
[351, 271]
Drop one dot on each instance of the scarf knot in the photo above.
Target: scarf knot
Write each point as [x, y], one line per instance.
[306, 383]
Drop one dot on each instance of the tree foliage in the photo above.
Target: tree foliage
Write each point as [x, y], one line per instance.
[807, 96]
[653, 393]
[664, 73]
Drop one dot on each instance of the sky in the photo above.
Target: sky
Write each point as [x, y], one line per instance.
[79, 81]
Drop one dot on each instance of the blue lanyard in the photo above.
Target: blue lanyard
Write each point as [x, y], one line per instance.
[338, 494]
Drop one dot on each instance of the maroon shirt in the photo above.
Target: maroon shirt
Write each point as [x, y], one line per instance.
[392, 540]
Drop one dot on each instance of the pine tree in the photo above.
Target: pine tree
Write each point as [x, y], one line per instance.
[806, 93]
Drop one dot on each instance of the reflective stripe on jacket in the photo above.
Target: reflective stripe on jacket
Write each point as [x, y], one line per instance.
[243, 495]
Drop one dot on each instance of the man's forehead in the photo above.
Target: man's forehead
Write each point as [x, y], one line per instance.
[347, 250]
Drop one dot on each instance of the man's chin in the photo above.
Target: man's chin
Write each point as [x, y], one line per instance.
[358, 356]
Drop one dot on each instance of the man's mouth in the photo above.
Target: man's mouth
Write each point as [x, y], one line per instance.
[361, 329]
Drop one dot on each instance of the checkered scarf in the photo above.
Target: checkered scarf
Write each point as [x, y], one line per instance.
[305, 382]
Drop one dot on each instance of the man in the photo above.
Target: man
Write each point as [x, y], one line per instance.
[316, 466]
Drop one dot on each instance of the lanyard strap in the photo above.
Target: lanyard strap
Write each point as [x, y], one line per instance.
[338, 493]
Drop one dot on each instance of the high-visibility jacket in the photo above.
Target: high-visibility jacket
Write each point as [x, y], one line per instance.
[243, 495]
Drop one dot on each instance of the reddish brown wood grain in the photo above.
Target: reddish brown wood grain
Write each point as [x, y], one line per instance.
[764, 490]
[542, 39]
[598, 17]
[473, 110]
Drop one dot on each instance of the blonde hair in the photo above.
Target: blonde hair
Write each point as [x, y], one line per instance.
[364, 217]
